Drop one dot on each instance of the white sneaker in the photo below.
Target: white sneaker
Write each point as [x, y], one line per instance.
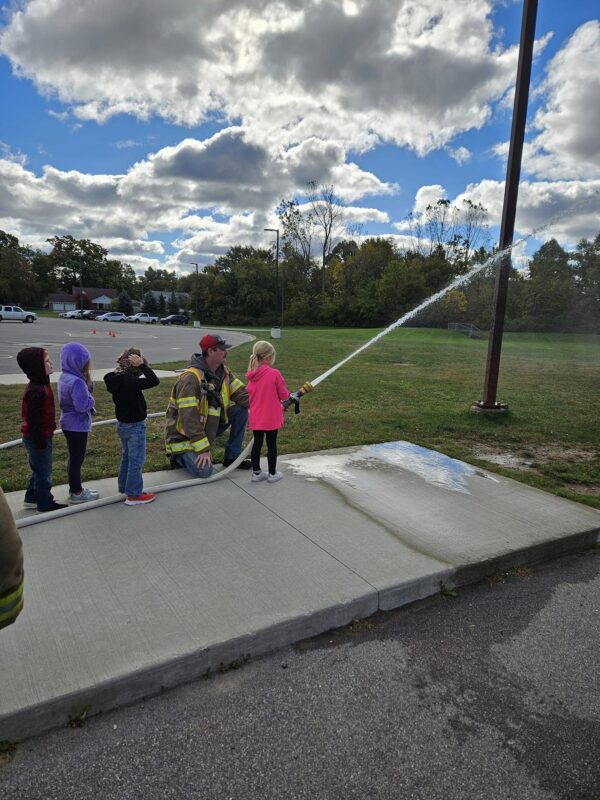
[85, 496]
[259, 476]
[277, 476]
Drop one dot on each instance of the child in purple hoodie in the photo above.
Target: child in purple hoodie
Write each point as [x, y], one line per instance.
[266, 389]
[76, 399]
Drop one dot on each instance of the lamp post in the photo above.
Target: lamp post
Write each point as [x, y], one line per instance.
[195, 264]
[276, 231]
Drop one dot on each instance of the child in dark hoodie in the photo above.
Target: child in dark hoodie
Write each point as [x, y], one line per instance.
[76, 398]
[127, 384]
[38, 422]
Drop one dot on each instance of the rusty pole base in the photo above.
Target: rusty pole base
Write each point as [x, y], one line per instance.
[494, 408]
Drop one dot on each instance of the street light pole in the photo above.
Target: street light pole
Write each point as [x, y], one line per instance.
[195, 264]
[509, 210]
[276, 231]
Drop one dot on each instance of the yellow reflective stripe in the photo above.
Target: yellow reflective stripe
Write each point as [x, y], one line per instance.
[8, 598]
[180, 447]
[9, 609]
[235, 385]
[187, 402]
[214, 412]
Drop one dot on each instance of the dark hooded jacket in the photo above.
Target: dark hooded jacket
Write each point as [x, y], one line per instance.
[38, 417]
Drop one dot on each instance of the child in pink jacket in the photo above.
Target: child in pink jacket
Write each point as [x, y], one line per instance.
[266, 389]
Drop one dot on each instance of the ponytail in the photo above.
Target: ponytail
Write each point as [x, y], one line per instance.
[260, 351]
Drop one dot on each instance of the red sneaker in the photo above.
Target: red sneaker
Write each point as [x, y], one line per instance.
[146, 497]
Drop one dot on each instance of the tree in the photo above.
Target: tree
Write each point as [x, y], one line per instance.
[173, 304]
[149, 304]
[297, 232]
[79, 262]
[124, 303]
[327, 213]
[454, 232]
[17, 280]
[551, 288]
[162, 305]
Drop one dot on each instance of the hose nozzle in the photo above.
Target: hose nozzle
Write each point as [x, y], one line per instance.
[295, 397]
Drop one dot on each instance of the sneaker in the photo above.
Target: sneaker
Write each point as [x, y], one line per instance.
[245, 464]
[260, 476]
[85, 496]
[29, 504]
[276, 476]
[54, 507]
[140, 500]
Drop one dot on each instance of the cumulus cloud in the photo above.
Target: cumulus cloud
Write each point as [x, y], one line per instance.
[413, 72]
[566, 144]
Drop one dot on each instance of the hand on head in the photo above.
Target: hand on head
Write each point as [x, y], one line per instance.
[135, 360]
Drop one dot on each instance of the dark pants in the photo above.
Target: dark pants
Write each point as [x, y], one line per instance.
[40, 482]
[76, 445]
[271, 450]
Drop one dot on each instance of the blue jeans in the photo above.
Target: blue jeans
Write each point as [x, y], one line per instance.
[133, 456]
[40, 482]
[237, 417]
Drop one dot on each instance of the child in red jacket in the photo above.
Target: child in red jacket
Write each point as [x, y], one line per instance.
[266, 389]
[38, 421]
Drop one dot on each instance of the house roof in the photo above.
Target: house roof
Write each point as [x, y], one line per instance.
[94, 292]
[61, 297]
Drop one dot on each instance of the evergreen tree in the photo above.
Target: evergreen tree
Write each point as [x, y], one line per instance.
[124, 303]
[173, 304]
[149, 304]
[162, 306]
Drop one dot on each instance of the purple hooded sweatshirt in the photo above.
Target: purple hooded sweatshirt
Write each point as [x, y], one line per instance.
[76, 398]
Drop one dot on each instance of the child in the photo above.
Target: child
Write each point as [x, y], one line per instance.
[126, 384]
[267, 389]
[76, 398]
[38, 422]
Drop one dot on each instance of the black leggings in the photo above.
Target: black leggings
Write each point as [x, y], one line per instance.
[76, 445]
[271, 450]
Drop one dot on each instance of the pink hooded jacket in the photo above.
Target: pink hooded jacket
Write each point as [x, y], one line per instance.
[266, 389]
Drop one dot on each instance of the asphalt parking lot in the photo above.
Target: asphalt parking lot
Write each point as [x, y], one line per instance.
[160, 343]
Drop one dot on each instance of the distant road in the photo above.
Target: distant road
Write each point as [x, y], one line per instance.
[161, 343]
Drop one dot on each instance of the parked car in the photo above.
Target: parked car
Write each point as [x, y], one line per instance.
[143, 317]
[75, 313]
[112, 316]
[17, 314]
[91, 313]
[174, 319]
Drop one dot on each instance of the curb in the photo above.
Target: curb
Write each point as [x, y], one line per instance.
[133, 687]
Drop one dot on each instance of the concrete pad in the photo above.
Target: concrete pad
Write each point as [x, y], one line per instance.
[121, 602]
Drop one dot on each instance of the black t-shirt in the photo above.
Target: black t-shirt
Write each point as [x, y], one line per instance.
[127, 391]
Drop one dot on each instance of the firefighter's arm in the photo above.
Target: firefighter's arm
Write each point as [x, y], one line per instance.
[11, 567]
[238, 392]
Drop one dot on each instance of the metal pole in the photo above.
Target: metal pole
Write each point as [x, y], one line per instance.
[511, 190]
[276, 231]
[195, 264]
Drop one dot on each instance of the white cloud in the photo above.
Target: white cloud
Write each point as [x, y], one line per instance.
[567, 145]
[413, 72]
[461, 155]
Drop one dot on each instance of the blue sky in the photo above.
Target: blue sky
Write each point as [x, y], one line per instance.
[169, 134]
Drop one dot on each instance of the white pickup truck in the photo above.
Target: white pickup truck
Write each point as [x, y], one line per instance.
[143, 317]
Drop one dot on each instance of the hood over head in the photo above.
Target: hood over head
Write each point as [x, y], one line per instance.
[73, 358]
[31, 361]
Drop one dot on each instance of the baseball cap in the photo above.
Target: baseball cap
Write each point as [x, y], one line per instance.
[213, 340]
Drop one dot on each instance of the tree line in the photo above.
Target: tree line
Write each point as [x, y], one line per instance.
[354, 281]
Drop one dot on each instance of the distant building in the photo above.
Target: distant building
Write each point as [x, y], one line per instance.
[61, 301]
[92, 298]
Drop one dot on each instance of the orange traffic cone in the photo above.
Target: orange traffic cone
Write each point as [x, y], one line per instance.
[108, 333]
[94, 331]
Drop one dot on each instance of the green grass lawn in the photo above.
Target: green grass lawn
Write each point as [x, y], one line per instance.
[414, 384]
